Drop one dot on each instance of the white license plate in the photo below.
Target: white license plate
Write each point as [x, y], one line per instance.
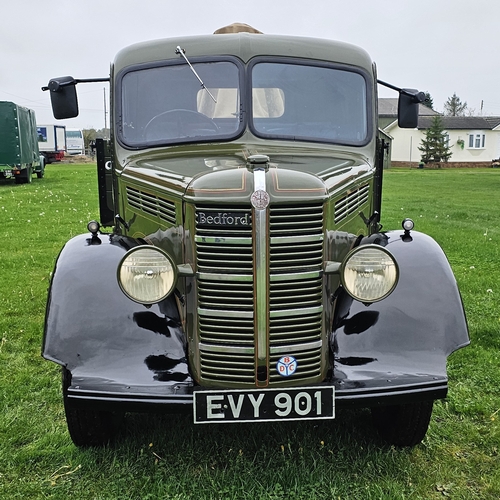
[264, 405]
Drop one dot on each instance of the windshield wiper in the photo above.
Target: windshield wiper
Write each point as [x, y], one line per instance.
[182, 53]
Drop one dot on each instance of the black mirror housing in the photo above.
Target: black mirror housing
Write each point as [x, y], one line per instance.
[409, 100]
[63, 97]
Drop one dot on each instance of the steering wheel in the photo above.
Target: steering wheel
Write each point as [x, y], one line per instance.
[179, 123]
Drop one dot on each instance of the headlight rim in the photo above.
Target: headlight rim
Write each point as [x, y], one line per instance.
[160, 251]
[358, 249]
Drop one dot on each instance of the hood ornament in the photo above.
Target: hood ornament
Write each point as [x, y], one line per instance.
[260, 199]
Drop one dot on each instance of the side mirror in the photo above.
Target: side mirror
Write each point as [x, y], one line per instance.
[409, 100]
[63, 97]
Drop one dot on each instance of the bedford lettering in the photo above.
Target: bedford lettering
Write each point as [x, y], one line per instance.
[223, 219]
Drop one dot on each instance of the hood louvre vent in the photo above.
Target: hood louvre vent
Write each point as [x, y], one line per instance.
[151, 205]
[351, 203]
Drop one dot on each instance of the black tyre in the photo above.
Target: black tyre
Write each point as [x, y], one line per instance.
[25, 178]
[87, 427]
[403, 425]
[40, 174]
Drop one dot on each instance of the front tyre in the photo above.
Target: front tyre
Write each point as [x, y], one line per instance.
[87, 427]
[405, 424]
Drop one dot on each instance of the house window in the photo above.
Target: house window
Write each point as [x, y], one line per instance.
[477, 140]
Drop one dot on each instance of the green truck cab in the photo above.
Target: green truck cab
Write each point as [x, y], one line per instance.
[246, 276]
[19, 154]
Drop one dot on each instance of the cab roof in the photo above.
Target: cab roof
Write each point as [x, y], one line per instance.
[244, 45]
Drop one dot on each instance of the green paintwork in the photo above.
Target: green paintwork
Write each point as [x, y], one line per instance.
[217, 174]
[18, 137]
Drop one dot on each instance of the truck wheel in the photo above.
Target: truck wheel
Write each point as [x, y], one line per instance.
[87, 427]
[40, 174]
[405, 424]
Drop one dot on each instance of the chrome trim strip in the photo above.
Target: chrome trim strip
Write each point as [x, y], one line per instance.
[295, 276]
[223, 240]
[297, 347]
[296, 312]
[229, 349]
[225, 277]
[260, 218]
[295, 239]
[216, 313]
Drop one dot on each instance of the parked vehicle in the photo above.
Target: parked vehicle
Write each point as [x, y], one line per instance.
[75, 144]
[247, 277]
[52, 142]
[19, 155]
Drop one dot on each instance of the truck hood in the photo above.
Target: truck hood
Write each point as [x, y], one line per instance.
[210, 176]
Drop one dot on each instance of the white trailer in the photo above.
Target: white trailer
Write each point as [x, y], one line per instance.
[74, 141]
[52, 141]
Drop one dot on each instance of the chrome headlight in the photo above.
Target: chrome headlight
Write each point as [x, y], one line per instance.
[369, 273]
[147, 274]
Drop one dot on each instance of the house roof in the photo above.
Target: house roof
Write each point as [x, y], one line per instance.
[461, 122]
[388, 107]
[494, 121]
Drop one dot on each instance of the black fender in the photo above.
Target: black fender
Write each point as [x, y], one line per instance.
[409, 334]
[109, 343]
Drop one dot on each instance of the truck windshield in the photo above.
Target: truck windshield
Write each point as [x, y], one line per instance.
[290, 101]
[167, 104]
[311, 103]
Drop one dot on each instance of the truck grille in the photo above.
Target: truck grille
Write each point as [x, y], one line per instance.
[226, 294]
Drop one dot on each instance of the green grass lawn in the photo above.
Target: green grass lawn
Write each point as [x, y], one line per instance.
[158, 456]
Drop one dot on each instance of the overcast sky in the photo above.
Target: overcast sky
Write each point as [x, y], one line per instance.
[439, 46]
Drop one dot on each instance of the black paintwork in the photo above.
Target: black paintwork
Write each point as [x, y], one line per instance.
[122, 354]
[110, 344]
[409, 335]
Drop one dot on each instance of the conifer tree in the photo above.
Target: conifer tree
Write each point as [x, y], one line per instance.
[434, 146]
[454, 106]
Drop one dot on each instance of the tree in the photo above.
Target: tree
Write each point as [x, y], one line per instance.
[428, 101]
[454, 106]
[89, 134]
[434, 146]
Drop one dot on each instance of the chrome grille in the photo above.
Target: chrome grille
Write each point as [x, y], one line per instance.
[226, 293]
[215, 366]
[295, 294]
[151, 204]
[351, 203]
[296, 221]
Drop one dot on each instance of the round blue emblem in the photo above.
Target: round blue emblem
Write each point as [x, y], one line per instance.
[286, 366]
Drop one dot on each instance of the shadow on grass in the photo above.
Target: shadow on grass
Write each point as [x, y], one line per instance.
[351, 429]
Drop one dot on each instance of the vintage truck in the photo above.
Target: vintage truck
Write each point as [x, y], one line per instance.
[19, 154]
[247, 277]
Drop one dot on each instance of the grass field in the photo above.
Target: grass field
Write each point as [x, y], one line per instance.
[167, 457]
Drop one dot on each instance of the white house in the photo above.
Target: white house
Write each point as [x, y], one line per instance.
[472, 139]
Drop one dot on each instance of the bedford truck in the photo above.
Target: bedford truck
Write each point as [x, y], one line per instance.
[19, 155]
[246, 276]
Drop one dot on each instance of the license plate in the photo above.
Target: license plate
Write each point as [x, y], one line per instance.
[265, 405]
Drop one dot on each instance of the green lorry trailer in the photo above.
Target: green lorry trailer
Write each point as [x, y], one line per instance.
[19, 154]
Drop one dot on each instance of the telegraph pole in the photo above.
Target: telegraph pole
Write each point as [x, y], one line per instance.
[105, 115]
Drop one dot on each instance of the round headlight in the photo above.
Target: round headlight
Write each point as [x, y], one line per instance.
[369, 273]
[147, 275]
